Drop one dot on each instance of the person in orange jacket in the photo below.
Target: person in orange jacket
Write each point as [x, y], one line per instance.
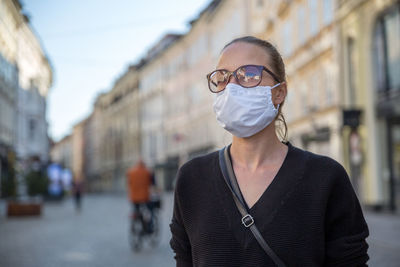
[140, 181]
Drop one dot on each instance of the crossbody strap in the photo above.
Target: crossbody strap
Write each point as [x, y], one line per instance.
[247, 219]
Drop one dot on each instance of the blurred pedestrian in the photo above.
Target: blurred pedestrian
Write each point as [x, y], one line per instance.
[140, 181]
[55, 187]
[66, 177]
[78, 191]
[261, 201]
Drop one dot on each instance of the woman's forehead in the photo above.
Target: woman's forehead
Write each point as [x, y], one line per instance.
[241, 53]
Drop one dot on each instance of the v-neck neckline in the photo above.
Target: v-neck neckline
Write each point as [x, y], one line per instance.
[271, 201]
[265, 192]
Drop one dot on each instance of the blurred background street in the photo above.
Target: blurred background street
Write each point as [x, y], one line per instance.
[98, 236]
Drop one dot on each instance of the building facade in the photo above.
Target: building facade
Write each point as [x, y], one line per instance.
[304, 33]
[370, 65]
[153, 105]
[78, 151]
[10, 20]
[113, 135]
[61, 152]
[35, 79]
[25, 77]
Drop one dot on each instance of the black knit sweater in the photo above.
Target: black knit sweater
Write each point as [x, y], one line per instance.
[309, 215]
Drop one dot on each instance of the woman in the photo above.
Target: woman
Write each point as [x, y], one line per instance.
[303, 204]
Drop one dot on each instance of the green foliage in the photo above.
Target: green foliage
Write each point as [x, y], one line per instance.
[8, 179]
[8, 185]
[37, 183]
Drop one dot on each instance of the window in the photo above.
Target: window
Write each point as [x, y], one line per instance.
[313, 8]
[8, 72]
[379, 58]
[152, 141]
[328, 11]
[301, 32]
[328, 83]
[386, 51]
[289, 104]
[304, 98]
[225, 32]
[392, 30]
[351, 66]
[315, 85]
[287, 43]
[197, 50]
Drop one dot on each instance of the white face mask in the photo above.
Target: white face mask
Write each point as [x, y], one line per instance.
[245, 111]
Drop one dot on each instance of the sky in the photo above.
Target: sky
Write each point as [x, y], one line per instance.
[91, 43]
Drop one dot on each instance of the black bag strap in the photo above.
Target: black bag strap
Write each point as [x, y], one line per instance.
[247, 219]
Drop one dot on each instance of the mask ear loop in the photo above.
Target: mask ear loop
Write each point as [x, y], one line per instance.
[276, 85]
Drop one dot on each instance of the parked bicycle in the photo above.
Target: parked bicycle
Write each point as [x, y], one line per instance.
[145, 225]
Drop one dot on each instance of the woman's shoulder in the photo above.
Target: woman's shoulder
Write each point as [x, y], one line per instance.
[313, 159]
[198, 167]
[322, 164]
[200, 162]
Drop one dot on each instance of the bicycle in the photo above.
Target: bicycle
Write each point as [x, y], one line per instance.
[144, 225]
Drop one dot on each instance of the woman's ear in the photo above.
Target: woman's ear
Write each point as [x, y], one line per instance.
[279, 93]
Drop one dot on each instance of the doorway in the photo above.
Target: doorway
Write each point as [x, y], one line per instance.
[394, 162]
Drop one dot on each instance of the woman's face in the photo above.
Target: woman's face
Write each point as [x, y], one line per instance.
[241, 53]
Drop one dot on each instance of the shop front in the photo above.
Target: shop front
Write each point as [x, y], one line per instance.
[386, 52]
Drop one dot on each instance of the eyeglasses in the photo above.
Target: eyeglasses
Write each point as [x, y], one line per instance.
[247, 76]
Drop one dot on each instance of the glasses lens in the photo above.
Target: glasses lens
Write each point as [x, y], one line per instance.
[217, 81]
[249, 76]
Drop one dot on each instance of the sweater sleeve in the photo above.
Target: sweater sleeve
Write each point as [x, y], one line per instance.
[180, 243]
[346, 229]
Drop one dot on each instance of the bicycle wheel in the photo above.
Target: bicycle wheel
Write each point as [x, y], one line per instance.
[155, 235]
[135, 234]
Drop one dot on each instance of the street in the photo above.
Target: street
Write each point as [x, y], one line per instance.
[95, 237]
[384, 240]
[98, 236]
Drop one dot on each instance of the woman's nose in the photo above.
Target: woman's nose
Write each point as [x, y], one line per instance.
[232, 79]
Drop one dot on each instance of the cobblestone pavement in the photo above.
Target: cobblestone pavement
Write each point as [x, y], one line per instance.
[98, 236]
